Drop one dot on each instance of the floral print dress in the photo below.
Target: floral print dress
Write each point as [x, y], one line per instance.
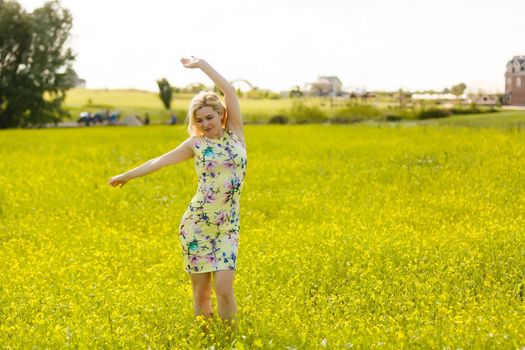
[210, 226]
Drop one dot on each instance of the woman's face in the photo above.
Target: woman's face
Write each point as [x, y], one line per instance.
[208, 121]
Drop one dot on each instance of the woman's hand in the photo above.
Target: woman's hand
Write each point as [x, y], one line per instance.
[118, 180]
[193, 62]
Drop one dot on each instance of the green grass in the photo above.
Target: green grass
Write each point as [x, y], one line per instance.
[502, 120]
[351, 236]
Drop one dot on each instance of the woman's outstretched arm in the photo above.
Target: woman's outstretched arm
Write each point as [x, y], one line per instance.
[233, 108]
[182, 152]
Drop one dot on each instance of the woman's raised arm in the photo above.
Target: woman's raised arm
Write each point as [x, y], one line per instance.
[233, 108]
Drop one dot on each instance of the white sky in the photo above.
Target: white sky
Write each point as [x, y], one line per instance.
[276, 44]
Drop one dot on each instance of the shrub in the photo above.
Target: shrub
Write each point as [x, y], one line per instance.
[398, 114]
[345, 120]
[393, 118]
[434, 113]
[257, 94]
[469, 110]
[301, 114]
[278, 119]
[353, 114]
[473, 110]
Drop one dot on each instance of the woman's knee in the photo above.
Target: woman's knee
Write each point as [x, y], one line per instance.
[224, 286]
[223, 291]
[201, 286]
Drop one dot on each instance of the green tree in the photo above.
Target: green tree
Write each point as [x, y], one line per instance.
[458, 89]
[296, 92]
[197, 87]
[215, 89]
[239, 93]
[165, 92]
[35, 64]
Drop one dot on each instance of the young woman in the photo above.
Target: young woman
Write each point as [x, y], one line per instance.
[210, 226]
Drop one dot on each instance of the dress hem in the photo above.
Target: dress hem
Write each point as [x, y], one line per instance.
[197, 272]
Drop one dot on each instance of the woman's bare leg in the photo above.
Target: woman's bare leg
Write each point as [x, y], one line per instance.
[226, 303]
[201, 285]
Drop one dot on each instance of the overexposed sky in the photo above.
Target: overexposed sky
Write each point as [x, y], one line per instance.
[276, 44]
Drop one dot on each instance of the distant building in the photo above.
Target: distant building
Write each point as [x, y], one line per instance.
[487, 100]
[438, 97]
[515, 81]
[325, 86]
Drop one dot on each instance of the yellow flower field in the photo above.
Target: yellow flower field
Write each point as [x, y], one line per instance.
[351, 237]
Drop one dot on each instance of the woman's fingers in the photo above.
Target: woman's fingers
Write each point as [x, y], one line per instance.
[114, 182]
[185, 62]
[189, 62]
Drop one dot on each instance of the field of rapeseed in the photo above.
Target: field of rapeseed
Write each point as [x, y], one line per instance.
[351, 237]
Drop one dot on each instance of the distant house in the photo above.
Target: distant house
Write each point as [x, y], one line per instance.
[325, 86]
[438, 97]
[487, 100]
[515, 81]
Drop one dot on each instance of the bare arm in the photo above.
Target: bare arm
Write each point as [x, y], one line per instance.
[234, 121]
[181, 153]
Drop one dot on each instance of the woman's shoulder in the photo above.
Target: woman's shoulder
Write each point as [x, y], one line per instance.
[194, 143]
[237, 134]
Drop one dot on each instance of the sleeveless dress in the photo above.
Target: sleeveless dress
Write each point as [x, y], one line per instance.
[210, 226]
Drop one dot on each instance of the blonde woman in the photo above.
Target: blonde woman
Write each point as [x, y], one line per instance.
[210, 226]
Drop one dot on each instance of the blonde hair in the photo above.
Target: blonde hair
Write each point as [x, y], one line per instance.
[202, 99]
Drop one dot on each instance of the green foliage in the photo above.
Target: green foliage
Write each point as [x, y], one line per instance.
[458, 89]
[257, 93]
[215, 89]
[393, 118]
[296, 92]
[197, 87]
[239, 93]
[165, 92]
[473, 110]
[398, 114]
[300, 113]
[432, 113]
[278, 119]
[356, 113]
[35, 64]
